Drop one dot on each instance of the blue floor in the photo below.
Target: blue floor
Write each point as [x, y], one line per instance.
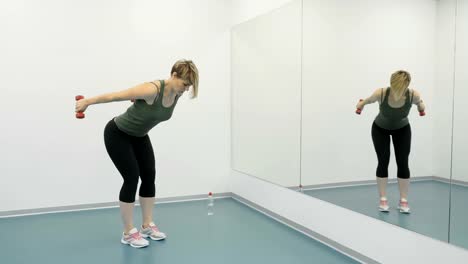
[429, 202]
[459, 216]
[235, 234]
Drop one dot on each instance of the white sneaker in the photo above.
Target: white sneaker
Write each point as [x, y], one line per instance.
[404, 207]
[152, 232]
[383, 205]
[134, 239]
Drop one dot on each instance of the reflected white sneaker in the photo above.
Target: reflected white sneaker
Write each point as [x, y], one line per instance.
[134, 239]
[152, 232]
[404, 207]
[383, 205]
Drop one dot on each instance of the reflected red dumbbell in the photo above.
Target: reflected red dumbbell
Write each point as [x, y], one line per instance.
[422, 113]
[132, 100]
[359, 110]
[79, 115]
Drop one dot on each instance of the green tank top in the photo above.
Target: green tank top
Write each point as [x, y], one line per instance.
[393, 118]
[141, 117]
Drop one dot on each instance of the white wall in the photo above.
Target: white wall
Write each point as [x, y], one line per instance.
[266, 80]
[443, 92]
[460, 135]
[350, 49]
[243, 10]
[52, 50]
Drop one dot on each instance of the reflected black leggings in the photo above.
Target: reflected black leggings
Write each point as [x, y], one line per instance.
[402, 143]
[133, 157]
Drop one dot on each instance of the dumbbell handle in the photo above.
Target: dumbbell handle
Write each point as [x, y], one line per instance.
[79, 115]
[359, 110]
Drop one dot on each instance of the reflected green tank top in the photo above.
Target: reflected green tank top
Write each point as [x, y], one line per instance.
[393, 118]
[141, 117]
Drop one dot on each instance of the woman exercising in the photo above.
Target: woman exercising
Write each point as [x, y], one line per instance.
[129, 147]
[392, 120]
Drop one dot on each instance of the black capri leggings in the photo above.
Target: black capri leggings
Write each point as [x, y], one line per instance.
[133, 157]
[402, 143]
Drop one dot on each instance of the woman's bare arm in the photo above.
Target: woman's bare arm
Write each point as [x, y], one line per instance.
[146, 91]
[376, 96]
[418, 101]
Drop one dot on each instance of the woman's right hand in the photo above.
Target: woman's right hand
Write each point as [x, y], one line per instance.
[81, 105]
[360, 105]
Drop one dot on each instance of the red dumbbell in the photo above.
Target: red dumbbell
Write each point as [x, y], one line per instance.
[422, 113]
[79, 115]
[359, 110]
[132, 100]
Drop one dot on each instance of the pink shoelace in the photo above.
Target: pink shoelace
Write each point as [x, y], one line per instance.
[154, 228]
[136, 236]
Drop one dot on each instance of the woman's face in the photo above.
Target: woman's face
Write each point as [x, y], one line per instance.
[180, 85]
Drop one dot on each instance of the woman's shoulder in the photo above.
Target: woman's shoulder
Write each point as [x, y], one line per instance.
[380, 90]
[157, 83]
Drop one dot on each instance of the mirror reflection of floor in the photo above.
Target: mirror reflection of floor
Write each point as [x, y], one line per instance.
[429, 202]
[459, 213]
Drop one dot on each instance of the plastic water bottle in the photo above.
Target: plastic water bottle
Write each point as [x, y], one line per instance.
[210, 204]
